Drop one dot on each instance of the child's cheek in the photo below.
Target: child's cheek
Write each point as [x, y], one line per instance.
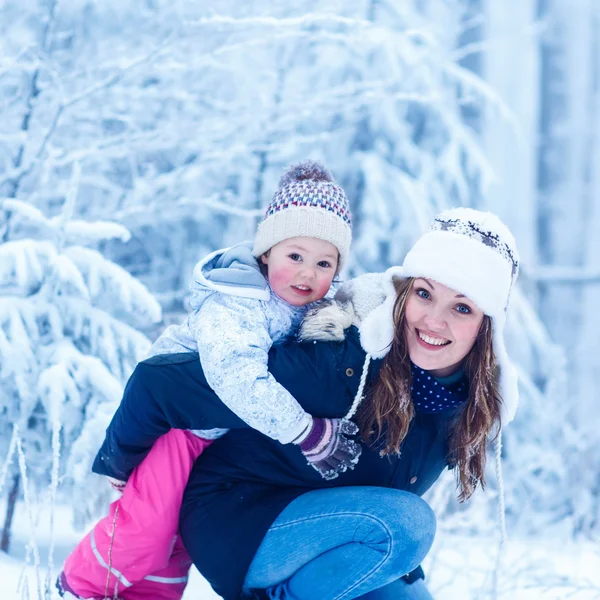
[322, 287]
[280, 277]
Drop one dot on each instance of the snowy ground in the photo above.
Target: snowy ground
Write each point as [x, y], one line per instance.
[546, 568]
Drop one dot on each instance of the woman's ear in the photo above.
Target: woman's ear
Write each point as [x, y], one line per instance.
[264, 258]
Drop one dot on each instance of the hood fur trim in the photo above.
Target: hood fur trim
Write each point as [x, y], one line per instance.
[326, 322]
[366, 302]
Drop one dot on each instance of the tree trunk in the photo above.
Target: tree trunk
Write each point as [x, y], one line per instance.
[511, 66]
[10, 511]
[587, 356]
[30, 103]
[565, 172]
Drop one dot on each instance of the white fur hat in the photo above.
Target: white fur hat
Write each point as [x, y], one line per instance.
[474, 253]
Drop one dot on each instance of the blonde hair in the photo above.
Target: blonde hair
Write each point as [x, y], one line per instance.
[386, 417]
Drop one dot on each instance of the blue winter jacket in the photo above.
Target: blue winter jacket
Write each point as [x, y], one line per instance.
[245, 479]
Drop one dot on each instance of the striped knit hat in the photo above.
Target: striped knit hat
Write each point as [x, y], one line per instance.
[307, 203]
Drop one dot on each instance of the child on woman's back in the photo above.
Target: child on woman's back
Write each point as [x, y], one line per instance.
[245, 299]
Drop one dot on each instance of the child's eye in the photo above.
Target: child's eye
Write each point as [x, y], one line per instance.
[325, 264]
[295, 256]
[423, 294]
[463, 309]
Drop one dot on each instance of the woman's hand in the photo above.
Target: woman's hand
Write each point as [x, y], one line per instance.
[328, 448]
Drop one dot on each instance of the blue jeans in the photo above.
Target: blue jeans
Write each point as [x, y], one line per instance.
[344, 543]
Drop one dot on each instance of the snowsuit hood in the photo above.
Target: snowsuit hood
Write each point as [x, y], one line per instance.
[235, 319]
[232, 271]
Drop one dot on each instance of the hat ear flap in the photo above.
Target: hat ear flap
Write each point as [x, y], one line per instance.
[509, 390]
[508, 381]
[377, 329]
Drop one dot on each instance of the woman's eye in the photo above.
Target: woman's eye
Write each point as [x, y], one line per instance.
[324, 264]
[423, 294]
[463, 309]
[295, 256]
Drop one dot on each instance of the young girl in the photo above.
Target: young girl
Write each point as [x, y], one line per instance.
[245, 298]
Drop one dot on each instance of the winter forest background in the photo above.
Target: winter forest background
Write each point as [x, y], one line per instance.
[138, 135]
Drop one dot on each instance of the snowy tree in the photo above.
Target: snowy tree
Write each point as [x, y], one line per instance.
[68, 341]
[542, 58]
[183, 122]
[69, 318]
[569, 257]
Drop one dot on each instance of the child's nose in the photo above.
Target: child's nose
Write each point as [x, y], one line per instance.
[308, 272]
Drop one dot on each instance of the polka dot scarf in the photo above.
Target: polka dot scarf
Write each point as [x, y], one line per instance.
[431, 396]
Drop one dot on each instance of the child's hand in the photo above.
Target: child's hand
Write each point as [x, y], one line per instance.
[117, 484]
[327, 447]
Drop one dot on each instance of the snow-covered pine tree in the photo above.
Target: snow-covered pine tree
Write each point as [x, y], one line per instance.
[68, 316]
[68, 342]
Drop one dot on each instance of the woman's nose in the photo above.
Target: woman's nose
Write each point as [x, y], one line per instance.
[435, 321]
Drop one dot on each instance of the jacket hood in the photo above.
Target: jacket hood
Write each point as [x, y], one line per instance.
[233, 271]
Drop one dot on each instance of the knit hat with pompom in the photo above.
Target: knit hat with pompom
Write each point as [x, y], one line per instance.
[307, 203]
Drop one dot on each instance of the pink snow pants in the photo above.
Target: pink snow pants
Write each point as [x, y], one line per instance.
[143, 557]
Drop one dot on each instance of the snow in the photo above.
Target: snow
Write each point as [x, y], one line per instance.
[532, 569]
[17, 574]
[459, 566]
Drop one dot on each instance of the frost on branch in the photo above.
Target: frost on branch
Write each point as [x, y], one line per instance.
[68, 342]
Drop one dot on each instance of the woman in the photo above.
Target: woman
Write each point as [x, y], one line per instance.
[257, 521]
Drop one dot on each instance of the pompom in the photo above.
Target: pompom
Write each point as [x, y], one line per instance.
[306, 170]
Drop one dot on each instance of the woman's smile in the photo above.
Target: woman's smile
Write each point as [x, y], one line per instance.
[431, 341]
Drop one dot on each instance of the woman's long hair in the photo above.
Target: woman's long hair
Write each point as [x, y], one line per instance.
[389, 409]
